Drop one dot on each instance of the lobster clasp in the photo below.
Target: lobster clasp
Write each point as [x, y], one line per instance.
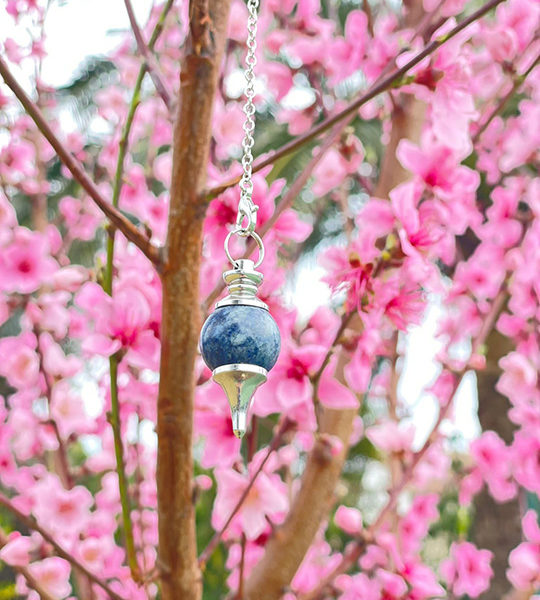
[246, 211]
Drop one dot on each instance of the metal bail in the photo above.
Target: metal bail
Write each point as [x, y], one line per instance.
[239, 382]
[242, 282]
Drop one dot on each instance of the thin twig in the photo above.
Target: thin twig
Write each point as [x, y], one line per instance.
[31, 523]
[108, 287]
[389, 82]
[151, 63]
[518, 82]
[212, 545]
[77, 170]
[25, 572]
[240, 595]
[65, 474]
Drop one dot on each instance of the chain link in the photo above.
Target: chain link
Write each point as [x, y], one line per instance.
[246, 209]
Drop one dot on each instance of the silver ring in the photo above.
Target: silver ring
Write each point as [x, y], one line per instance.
[245, 233]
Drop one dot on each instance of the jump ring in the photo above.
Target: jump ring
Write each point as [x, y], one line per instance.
[245, 233]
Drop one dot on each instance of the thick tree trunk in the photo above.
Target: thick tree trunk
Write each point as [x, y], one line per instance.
[496, 527]
[181, 316]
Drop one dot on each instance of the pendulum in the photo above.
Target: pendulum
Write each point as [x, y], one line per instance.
[240, 340]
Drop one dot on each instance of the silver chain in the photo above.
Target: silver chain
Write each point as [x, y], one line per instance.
[247, 210]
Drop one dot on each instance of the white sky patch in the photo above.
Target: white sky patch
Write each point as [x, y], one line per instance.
[420, 370]
[77, 29]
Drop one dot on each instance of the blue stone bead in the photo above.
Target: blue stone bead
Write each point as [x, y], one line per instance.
[240, 334]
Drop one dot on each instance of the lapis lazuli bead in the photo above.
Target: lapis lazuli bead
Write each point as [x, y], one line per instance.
[240, 334]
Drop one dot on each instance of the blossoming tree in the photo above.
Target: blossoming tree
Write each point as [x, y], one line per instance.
[397, 143]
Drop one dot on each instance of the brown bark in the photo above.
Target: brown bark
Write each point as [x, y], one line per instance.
[497, 527]
[181, 316]
[288, 546]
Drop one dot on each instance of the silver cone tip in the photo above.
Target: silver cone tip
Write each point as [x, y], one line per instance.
[239, 423]
[239, 382]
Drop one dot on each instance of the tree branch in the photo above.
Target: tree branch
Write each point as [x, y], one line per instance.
[108, 287]
[519, 80]
[77, 170]
[151, 63]
[31, 523]
[181, 315]
[387, 83]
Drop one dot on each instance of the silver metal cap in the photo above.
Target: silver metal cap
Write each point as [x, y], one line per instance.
[239, 382]
[243, 283]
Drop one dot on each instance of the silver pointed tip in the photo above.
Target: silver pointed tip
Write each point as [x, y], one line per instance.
[239, 382]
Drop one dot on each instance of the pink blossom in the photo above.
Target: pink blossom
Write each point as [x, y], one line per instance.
[67, 409]
[82, 218]
[422, 581]
[347, 53]
[348, 519]
[483, 273]
[135, 190]
[357, 586]
[289, 382]
[334, 394]
[349, 269]
[227, 129]
[91, 553]
[392, 585]
[471, 484]
[404, 304]
[266, 498]
[213, 422]
[501, 42]
[524, 566]
[237, 22]
[329, 172]
[298, 121]
[318, 562]
[439, 169]
[358, 370]
[492, 457]
[52, 574]
[390, 437]
[468, 569]
[522, 17]
[525, 452]
[123, 321]
[323, 326]
[25, 264]
[19, 363]
[17, 550]
[519, 376]
[413, 528]
[524, 561]
[54, 361]
[61, 510]
[279, 79]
